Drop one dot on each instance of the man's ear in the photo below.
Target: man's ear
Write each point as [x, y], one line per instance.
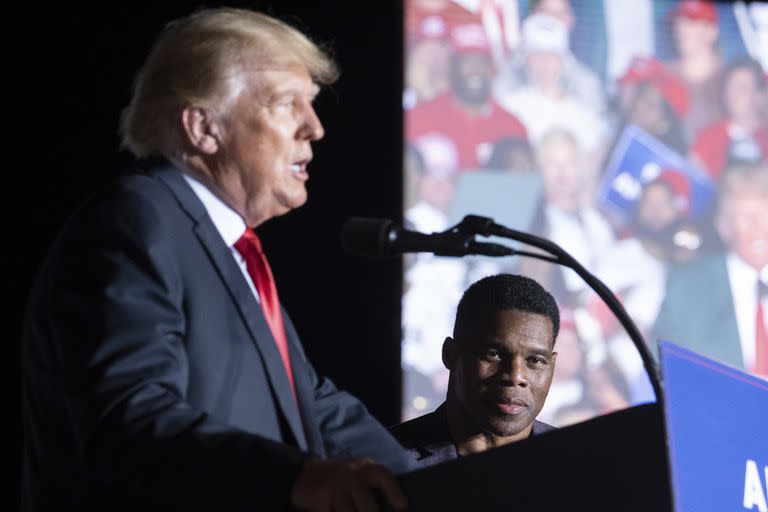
[201, 129]
[450, 352]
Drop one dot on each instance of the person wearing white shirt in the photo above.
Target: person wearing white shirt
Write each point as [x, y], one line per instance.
[542, 101]
[711, 304]
[567, 216]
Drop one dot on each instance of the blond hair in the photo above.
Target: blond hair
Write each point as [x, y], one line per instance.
[553, 138]
[193, 63]
[742, 178]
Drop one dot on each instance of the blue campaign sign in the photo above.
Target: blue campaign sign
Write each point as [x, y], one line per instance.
[639, 158]
[717, 429]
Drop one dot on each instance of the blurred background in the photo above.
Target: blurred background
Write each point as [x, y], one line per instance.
[632, 133]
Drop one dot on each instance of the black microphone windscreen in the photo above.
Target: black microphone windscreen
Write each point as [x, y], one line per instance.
[365, 236]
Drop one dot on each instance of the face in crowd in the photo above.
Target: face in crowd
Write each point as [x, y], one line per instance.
[742, 215]
[502, 368]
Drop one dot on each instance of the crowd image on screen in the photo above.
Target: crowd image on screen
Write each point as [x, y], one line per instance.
[633, 134]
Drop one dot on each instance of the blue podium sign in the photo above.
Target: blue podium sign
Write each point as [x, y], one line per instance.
[717, 430]
[639, 158]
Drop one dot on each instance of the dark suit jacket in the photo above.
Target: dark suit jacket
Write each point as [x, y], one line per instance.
[428, 441]
[698, 313]
[150, 376]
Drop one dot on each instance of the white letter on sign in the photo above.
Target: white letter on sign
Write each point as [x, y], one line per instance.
[753, 489]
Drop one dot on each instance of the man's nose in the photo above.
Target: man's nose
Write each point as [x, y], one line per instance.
[311, 127]
[515, 372]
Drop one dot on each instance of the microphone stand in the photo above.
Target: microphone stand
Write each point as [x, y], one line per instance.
[476, 225]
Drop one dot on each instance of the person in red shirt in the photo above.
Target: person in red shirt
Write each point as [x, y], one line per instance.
[696, 32]
[467, 114]
[656, 100]
[428, 25]
[435, 17]
[741, 137]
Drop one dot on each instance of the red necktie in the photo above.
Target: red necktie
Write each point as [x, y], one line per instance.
[249, 246]
[761, 336]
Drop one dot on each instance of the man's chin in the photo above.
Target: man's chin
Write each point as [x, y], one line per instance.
[502, 427]
[296, 200]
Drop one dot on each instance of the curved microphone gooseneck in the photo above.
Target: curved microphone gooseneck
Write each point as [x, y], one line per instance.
[379, 238]
[485, 226]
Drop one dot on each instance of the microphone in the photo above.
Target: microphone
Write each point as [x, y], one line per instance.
[382, 238]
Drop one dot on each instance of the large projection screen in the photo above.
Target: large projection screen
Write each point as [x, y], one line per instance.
[632, 133]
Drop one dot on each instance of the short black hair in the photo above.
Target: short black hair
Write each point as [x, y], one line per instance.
[503, 147]
[504, 292]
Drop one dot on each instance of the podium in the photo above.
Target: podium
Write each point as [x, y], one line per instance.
[705, 449]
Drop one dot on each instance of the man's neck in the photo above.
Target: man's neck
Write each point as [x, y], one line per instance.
[468, 438]
[475, 108]
[699, 67]
[746, 122]
[655, 249]
[552, 91]
[760, 268]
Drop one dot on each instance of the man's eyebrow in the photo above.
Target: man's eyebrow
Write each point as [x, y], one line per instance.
[540, 352]
[292, 91]
[502, 347]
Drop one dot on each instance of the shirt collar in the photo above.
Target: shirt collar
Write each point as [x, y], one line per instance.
[228, 222]
[744, 270]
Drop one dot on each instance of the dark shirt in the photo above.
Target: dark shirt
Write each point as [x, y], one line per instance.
[428, 440]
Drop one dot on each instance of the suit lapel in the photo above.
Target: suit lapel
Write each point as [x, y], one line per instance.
[247, 306]
[437, 453]
[440, 448]
[540, 428]
[724, 336]
[304, 389]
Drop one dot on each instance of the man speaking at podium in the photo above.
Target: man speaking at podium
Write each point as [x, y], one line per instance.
[159, 369]
[501, 363]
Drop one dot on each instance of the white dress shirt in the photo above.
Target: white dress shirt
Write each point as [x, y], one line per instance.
[584, 237]
[541, 114]
[228, 223]
[743, 279]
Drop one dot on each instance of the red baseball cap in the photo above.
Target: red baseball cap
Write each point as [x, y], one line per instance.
[431, 27]
[680, 186]
[653, 71]
[674, 91]
[695, 10]
[469, 38]
[641, 69]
